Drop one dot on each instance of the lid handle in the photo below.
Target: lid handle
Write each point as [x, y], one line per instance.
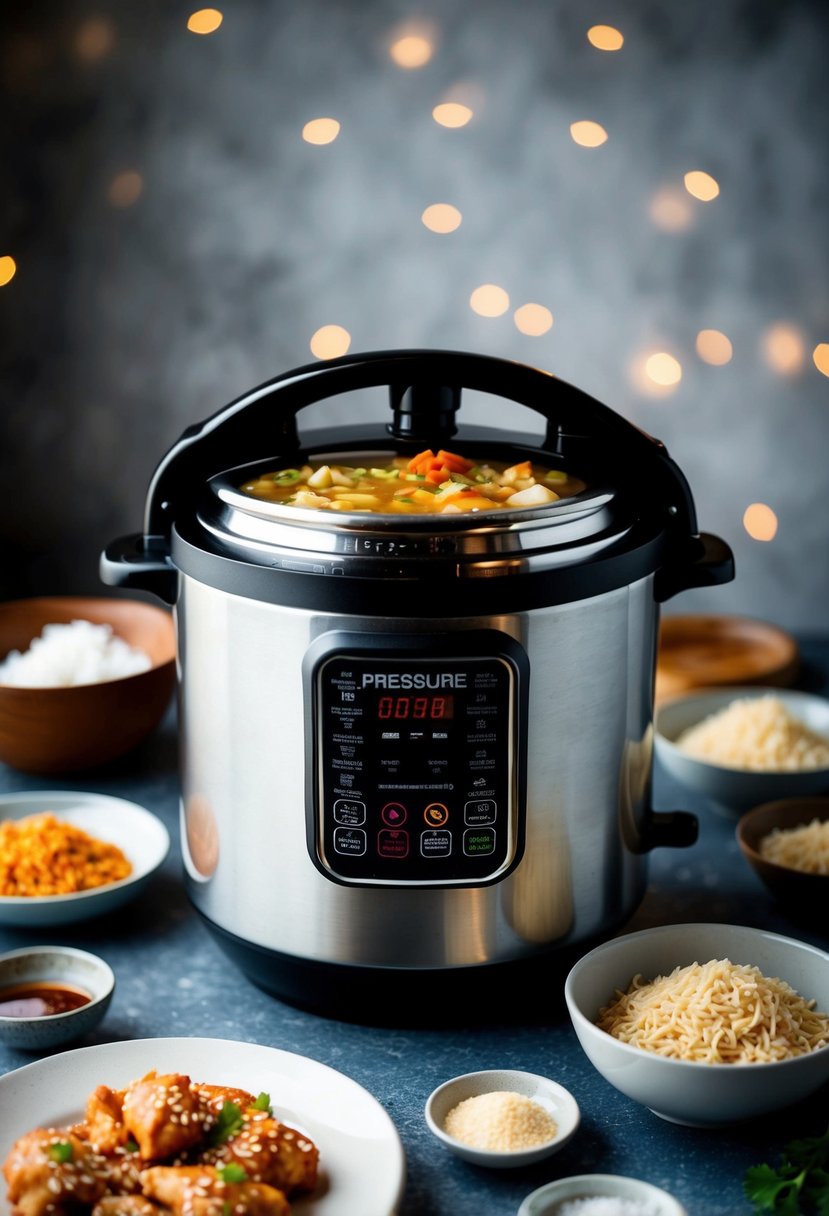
[425, 387]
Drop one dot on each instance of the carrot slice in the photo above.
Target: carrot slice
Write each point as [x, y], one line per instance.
[457, 464]
[420, 459]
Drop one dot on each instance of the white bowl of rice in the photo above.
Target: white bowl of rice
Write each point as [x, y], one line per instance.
[705, 1024]
[744, 745]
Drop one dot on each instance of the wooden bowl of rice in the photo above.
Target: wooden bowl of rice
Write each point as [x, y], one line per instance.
[705, 1024]
[129, 677]
[786, 843]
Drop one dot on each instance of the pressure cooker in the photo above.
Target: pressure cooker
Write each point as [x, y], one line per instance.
[334, 839]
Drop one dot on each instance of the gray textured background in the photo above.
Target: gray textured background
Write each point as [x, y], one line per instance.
[125, 324]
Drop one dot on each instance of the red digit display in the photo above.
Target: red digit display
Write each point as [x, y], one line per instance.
[402, 708]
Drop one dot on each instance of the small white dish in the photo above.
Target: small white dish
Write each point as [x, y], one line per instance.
[549, 1199]
[55, 965]
[554, 1098]
[736, 790]
[142, 838]
[687, 1091]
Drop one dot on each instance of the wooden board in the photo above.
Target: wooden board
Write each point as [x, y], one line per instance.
[699, 651]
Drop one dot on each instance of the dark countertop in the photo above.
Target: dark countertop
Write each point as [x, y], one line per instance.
[172, 979]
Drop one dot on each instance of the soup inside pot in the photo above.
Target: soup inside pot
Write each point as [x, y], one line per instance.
[430, 483]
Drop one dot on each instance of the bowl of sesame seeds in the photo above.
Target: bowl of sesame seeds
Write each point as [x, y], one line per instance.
[502, 1118]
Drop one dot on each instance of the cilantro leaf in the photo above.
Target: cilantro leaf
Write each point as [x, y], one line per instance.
[61, 1151]
[229, 1123]
[232, 1172]
[771, 1190]
[263, 1102]
[801, 1175]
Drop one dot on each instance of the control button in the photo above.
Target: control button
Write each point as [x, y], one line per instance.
[480, 811]
[394, 814]
[436, 814]
[349, 812]
[435, 844]
[350, 840]
[393, 844]
[478, 842]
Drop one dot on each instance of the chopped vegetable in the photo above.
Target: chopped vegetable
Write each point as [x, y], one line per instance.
[263, 1102]
[422, 484]
[228, 1124]
[232, 1172]
[61, 1151]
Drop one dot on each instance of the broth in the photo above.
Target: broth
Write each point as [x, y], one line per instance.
[430, 483]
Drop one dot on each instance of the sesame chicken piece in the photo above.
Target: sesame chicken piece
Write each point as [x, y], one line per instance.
[269, 1152]
[165, 1115]
[200, 1190]
[52, 1172]
[104, 1120]
[127, 1205]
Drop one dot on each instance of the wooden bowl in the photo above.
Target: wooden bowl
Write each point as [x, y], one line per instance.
[702, 651]
[62, 730]
[800, 891]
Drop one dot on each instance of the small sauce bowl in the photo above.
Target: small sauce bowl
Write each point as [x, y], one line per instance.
[553, 1098]
[37, 970]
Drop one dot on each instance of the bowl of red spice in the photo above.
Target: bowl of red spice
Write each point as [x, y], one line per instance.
[67, 856]
[502, 1117]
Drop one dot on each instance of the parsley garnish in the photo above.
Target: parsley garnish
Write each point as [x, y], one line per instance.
[61, 1151]
[232, 1172]
[263, 1102]
[228, 1124]
[800, 1178]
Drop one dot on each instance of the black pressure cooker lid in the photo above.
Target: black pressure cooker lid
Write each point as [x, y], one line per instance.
[635, 518]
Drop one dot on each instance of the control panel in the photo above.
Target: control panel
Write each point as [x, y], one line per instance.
[417, 763]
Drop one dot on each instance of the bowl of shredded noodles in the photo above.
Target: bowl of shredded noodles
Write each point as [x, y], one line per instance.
[786, 843]
[741, 746]
[705, 1024]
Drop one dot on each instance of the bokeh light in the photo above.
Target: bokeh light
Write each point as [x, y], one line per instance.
[701, 185]
[411, 50]
[671, 210]
[783, 348]
[452, 114]
[8, 269]
[714, 347]
[321, 131]
[441, 217]
[533, 319]
[760, 521]
[330, 341]
[820, 356]
[663, 369]
[605, 38]
[125, 188]
[489, 300]
[204, 21]
[94, 39]
[588, 134]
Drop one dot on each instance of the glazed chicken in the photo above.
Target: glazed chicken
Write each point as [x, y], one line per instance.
[200, 1190]
[164, 1146]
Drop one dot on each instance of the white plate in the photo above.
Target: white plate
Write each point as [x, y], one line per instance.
[362, 1165]
[142, 838]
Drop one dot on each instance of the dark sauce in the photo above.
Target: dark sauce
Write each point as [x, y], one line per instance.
[40, 1000]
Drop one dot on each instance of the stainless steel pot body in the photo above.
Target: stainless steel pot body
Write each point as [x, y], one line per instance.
[582, 864]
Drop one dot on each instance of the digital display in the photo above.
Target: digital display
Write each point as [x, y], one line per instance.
[434, 707]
